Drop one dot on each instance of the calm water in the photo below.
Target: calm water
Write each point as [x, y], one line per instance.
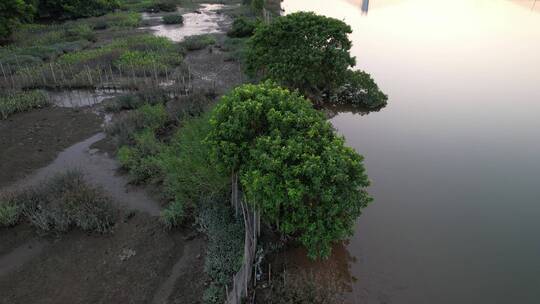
[455, 157]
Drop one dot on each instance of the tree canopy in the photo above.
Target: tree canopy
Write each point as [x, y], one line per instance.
[12, 13]
[293, 167]
[302, 50]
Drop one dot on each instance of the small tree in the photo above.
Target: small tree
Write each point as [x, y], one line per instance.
[302, 51]
[13, 13]
[293, 167]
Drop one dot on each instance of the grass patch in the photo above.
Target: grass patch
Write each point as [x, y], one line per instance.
[9, 213]
[21, 102]
[198, 42]
[61, 203]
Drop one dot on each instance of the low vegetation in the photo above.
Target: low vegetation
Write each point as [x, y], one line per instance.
[173, 19]
[58, 205]
[198, 42]
[225, 246]
[21, 102]
[243, 27]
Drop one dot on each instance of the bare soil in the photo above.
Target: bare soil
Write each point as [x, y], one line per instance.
[128, 266]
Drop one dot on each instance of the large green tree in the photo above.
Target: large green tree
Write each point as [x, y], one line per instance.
[293, 167]
[304, 51]
[13, 13]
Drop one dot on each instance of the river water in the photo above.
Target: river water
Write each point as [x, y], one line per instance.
[454, 157]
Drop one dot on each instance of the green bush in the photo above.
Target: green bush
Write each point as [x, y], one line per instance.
[173, 215]
[302, 51]
[63, 202]
[198, 42]
[173, 19]
[188, 106]
[164, 6]
[224, 254]
[236, 48]
[359, 90]
[139, 159]
[242, 27]
[149, 117]
[12, 14]
[293, 166]
[187, 152]
[9, 213]
[21, 102]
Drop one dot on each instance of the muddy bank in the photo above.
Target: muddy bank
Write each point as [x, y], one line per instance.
[99, 169]
[129, 266]
[31, 140]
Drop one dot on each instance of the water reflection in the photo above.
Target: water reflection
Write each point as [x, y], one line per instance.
[454, 157]
[333, 273]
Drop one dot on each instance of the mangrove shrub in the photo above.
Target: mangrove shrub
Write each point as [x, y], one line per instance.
[293, 167]
[302, 51]
[12, 13]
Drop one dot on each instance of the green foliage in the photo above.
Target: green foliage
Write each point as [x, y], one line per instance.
[63, 202]
[359, 90]
[225, 246]
[173, 19]
[243, 27]
[303, 51]
[21, 102]
[12, 14]
[198, 42]
[139, 159]
[257, 5]
[9, 213]
[236, 48]
[146, 117]
[163, 6]
[72, 9]
[187, 152]
[293, 166]
[173, 215]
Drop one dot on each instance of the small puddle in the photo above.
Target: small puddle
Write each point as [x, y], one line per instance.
[99, 170]
[205, 21]
[20, 255]
[80, 98]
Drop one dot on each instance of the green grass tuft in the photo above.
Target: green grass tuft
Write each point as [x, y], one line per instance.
[21, 102]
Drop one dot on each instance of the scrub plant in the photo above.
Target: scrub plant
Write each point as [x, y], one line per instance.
[293, 166]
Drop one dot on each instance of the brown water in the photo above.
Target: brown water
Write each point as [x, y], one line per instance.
[455, 157]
